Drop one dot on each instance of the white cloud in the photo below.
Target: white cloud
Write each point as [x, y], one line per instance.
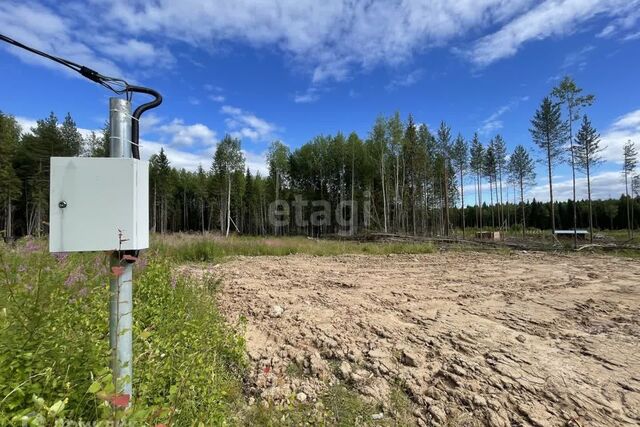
[328, 38]
[632, 36]
[577, 59]
[623, 129]
[243, 124]
[256, 162]
[193, 100]
[493, 122]
[549, 18]
[135, 52]
[309, 96]
[43, 29]
[188, 135]
[217, 98]
[405, 81]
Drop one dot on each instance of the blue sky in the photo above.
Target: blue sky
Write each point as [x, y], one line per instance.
[292, 69]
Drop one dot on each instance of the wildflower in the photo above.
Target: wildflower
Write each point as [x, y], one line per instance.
[61, 256]
[174, 282]
[83, 292]
[74, 277]
[31, 247]
[22, 268]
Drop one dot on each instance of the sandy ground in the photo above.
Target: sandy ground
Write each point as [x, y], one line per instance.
[472, 338]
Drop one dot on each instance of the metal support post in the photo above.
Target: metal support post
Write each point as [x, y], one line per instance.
[121, 286]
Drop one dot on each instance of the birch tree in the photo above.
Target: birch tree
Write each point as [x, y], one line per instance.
[227, 160]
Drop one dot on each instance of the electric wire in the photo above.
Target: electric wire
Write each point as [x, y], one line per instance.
[114, 84]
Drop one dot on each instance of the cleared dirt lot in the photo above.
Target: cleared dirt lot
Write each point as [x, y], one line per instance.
[472, 338]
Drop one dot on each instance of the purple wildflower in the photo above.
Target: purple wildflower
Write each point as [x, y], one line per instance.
[31, 247]
[83, 292]
[61, 256]
[74, 277]
[174, 282]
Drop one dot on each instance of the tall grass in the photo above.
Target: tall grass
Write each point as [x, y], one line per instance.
[185, 247]
[54, 343]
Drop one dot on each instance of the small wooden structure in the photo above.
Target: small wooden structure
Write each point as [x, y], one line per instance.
[488, 235]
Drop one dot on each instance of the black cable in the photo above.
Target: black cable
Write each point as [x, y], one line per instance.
[135, 119]
[111, 83]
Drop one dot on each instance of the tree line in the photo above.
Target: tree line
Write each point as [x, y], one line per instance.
[403, 177]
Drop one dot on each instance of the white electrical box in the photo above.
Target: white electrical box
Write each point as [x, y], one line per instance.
[98, 204]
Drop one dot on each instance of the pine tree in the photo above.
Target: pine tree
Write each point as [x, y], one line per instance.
[568, 94]
[444, 146]
[460, 157]
[587, 150]
[521, 171]
[548, 132]
[489, 170]
[10, 184]
[35, 150]
[476, 163]
[160, 180]
[500, 151]
[72, 140]
[630, 153]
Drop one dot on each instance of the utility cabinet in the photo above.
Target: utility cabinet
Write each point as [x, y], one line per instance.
[98, 204]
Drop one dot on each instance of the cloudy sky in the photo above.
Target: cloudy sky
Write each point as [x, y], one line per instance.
[292, 69]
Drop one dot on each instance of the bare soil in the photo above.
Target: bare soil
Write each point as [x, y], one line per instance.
[472, 338]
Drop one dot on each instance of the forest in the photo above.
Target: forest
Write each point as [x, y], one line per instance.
[410, 177]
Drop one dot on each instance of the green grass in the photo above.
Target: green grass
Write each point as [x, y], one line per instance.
[188, 248]
[54, 343]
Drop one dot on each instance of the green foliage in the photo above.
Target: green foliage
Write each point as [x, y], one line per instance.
[54, 350]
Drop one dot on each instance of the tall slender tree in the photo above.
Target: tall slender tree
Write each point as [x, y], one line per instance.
[444, 144]
[490, 172]
[476, 164]
[588, 149]
[460, 157]
[278, 161]
[630, 162]
[521, 171]
[500, 151]
[547, 131]
[395, 138]
[227, 161]
[568, 94]
[379, 140]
